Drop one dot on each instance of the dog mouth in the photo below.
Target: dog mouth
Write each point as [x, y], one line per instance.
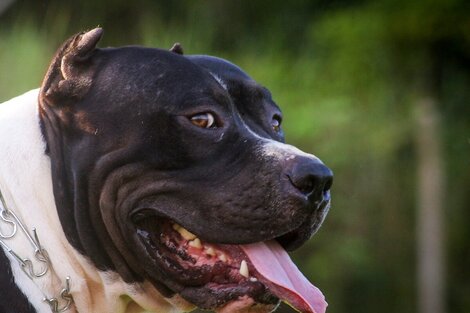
[226, 278]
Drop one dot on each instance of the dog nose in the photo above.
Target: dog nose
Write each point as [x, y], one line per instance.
[310, 176]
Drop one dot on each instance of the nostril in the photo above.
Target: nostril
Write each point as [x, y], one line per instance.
[305, 184]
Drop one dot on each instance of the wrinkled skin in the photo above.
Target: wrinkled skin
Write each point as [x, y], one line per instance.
[124, 152]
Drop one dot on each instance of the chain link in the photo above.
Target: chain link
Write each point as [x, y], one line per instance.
[40, 254]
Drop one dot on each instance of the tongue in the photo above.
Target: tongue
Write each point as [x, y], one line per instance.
[277, 271]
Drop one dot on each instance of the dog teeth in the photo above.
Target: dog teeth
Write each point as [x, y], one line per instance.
[210, 251]
[253, 279]
[196, 243]
[222, 257]
[244, 269]
[186, 234]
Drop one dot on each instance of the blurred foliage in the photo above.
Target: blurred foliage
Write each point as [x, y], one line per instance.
[346, 74]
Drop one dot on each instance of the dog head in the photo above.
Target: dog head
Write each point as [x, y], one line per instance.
[174, 169]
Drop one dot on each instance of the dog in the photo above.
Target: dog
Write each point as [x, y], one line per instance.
[144, 180]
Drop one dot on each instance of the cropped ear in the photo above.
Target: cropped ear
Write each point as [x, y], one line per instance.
[70, 73]
[177, 48]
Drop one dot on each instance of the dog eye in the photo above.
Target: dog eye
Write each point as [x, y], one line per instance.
[276, 123]
[203, 120]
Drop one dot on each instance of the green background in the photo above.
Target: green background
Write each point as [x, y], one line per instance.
[348, 76]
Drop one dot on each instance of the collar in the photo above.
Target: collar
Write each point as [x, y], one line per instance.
[57, 304]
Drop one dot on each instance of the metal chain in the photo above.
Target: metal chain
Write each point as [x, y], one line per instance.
[40, 255]
[65, 295]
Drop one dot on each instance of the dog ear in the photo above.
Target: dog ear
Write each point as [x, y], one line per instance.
[177, 48]
[70, 73]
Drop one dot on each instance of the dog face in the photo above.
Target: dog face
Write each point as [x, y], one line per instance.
[173, 169]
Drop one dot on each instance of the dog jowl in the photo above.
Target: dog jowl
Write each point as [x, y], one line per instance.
[173, 169]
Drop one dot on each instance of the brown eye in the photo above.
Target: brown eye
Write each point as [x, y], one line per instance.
[204, 120]
[276, 123]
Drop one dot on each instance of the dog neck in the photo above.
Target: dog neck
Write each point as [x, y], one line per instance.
[26, 184]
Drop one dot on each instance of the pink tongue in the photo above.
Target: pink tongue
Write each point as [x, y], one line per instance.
[283, 278]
